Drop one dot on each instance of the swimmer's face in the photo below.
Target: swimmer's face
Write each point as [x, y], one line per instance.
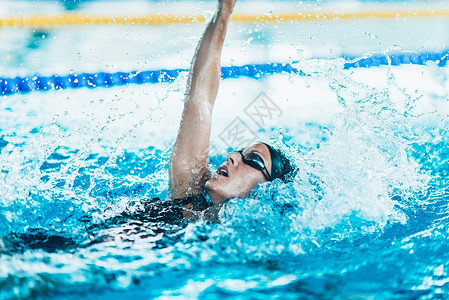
[235, 178]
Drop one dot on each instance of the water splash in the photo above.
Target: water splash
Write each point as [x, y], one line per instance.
[361, 187]
[360, 181]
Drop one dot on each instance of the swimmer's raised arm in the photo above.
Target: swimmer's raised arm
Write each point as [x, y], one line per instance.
[189, 162]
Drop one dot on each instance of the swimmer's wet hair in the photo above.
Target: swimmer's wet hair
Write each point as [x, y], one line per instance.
[281, 166]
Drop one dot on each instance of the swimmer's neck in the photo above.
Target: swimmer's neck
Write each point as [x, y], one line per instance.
[211, 213]
[217, 200]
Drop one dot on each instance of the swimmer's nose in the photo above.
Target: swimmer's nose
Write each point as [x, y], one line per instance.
[233, 158]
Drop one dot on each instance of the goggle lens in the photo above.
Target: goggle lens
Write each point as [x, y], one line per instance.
[255, 161]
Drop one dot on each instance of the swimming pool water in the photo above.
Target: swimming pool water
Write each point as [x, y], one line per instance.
[330, 245]
[366, 216]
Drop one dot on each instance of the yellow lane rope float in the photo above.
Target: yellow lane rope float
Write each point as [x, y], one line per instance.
[157, 19]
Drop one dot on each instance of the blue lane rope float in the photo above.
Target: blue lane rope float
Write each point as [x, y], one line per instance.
[18, 84]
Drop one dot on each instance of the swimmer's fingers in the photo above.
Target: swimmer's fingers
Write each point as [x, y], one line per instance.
[226, 5]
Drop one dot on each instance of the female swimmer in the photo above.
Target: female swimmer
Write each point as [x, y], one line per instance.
[191, 181]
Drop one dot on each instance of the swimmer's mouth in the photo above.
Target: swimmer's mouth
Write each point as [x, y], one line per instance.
[223, 170]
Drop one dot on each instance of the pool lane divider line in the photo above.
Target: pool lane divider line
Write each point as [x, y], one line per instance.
[160, 19]
[19, 84]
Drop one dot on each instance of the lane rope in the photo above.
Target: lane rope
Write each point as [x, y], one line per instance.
[159, 19]
[27, 84]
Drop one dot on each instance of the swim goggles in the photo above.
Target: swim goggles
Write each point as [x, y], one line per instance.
[255, 161]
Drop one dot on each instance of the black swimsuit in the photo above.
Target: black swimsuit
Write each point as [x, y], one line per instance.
[162, 211]
[146, 216]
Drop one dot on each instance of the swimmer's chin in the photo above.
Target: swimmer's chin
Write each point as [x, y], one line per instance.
[211, 188]
[210, 185]
[207, 185]
[211, 181]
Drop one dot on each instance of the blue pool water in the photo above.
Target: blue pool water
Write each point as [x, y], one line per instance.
[366, 216]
